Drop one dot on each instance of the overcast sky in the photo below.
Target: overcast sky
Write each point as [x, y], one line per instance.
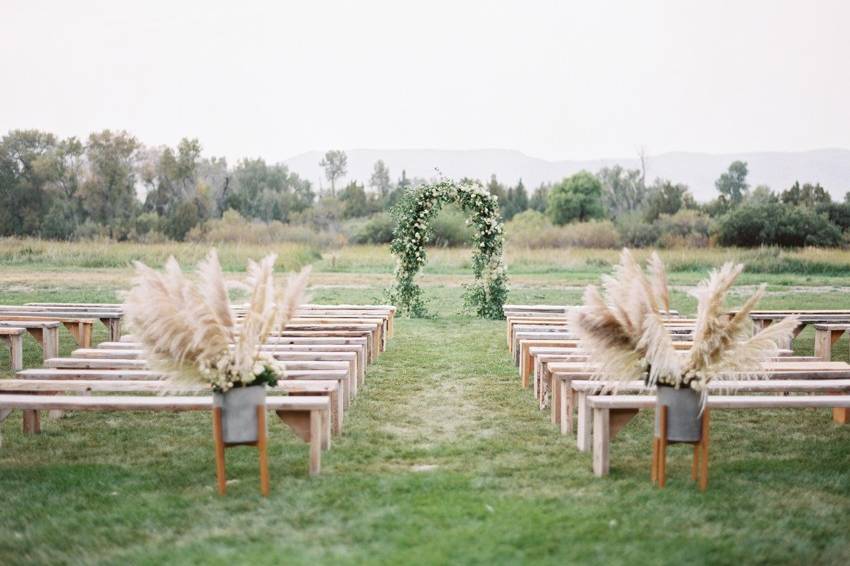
[558, 80]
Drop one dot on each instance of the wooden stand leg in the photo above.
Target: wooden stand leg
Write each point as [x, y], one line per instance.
[703, 445]
[219, 452]
[262, 449]
[662, 448]
[653, 469]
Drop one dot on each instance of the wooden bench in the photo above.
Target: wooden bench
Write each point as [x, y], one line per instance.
[825, 336]
[121, 360]
[82, 386]
[763, 319]
[583, 390]
[79, 328]
[110, 318]
[45, 332]
[353, 353]
[611, 412]
[384, 310]
[14, 338]
[563, 403]
[304, 415]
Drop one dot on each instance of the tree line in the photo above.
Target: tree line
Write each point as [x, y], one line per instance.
[112, 185]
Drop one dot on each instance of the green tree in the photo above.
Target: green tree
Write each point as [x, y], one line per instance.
[380, 179]
[732, 185]
[494, 187]
[516, 201]
[577, 198]
[666, 197]
[24, 180]
[540, 198]
[109, 191]
[335, 164]
[267, 192]
[808, 195]
[623, 190]
[776, 224]
[355, 201]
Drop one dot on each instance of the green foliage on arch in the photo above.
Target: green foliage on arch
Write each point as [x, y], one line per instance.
[414, 214]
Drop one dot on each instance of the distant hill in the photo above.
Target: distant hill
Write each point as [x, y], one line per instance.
[778, 170]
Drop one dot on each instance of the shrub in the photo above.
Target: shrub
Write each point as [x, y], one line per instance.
[531, 229]
[776, 224]
[686, 228]
[450, 228]
[636, 233]
[231, 227]
[837, 212]
[378, 229]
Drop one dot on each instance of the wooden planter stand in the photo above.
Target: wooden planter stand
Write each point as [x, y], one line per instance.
[261, 444]
[699, 467]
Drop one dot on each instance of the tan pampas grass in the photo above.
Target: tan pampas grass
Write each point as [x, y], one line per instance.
[658, 280]
[187, 329]
[173, 321]
[625, 335]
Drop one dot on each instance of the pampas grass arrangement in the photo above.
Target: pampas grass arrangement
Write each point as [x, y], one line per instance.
[189, 330]
[624, 333]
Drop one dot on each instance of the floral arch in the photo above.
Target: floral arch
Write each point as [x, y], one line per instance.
[414, 213]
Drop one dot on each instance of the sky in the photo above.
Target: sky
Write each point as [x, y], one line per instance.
[556, 80]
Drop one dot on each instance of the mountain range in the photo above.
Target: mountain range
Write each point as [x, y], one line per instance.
[778, 170]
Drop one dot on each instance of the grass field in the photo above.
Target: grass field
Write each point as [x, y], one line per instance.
[444, 458]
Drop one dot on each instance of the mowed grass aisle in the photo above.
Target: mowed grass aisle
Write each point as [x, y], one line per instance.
[444, 460]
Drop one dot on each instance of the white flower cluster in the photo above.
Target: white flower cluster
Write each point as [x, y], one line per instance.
[225, 373]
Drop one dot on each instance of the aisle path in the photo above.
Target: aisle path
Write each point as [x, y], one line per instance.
[445, 396]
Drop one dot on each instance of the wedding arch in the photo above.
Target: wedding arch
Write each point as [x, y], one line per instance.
[414, 214]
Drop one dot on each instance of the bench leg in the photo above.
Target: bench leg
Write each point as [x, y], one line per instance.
[315, 442]
[31, 422]
[16, 351]
[50, 342]
[565, 420]
[841, 416]
[585, 427]
[113, 329]
[601, 442]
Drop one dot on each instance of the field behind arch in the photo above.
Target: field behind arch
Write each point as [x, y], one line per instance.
[444, 457]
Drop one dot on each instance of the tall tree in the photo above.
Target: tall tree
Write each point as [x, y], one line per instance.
[576, 198]
[63, 169]
[498, 189]
[623, 190]
[109, 191]
[808, 195]
[666, 197]
[516, 201]
[540, 198]
[335, 164]
[732, 185]
[380, 179]
[24, 176]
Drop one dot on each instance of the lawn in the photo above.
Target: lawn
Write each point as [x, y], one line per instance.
[444, 459]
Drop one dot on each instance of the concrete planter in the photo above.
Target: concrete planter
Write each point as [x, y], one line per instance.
[239, 421]
[683, 413]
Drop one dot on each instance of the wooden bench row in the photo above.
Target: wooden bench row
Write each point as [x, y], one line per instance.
[324, 355]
